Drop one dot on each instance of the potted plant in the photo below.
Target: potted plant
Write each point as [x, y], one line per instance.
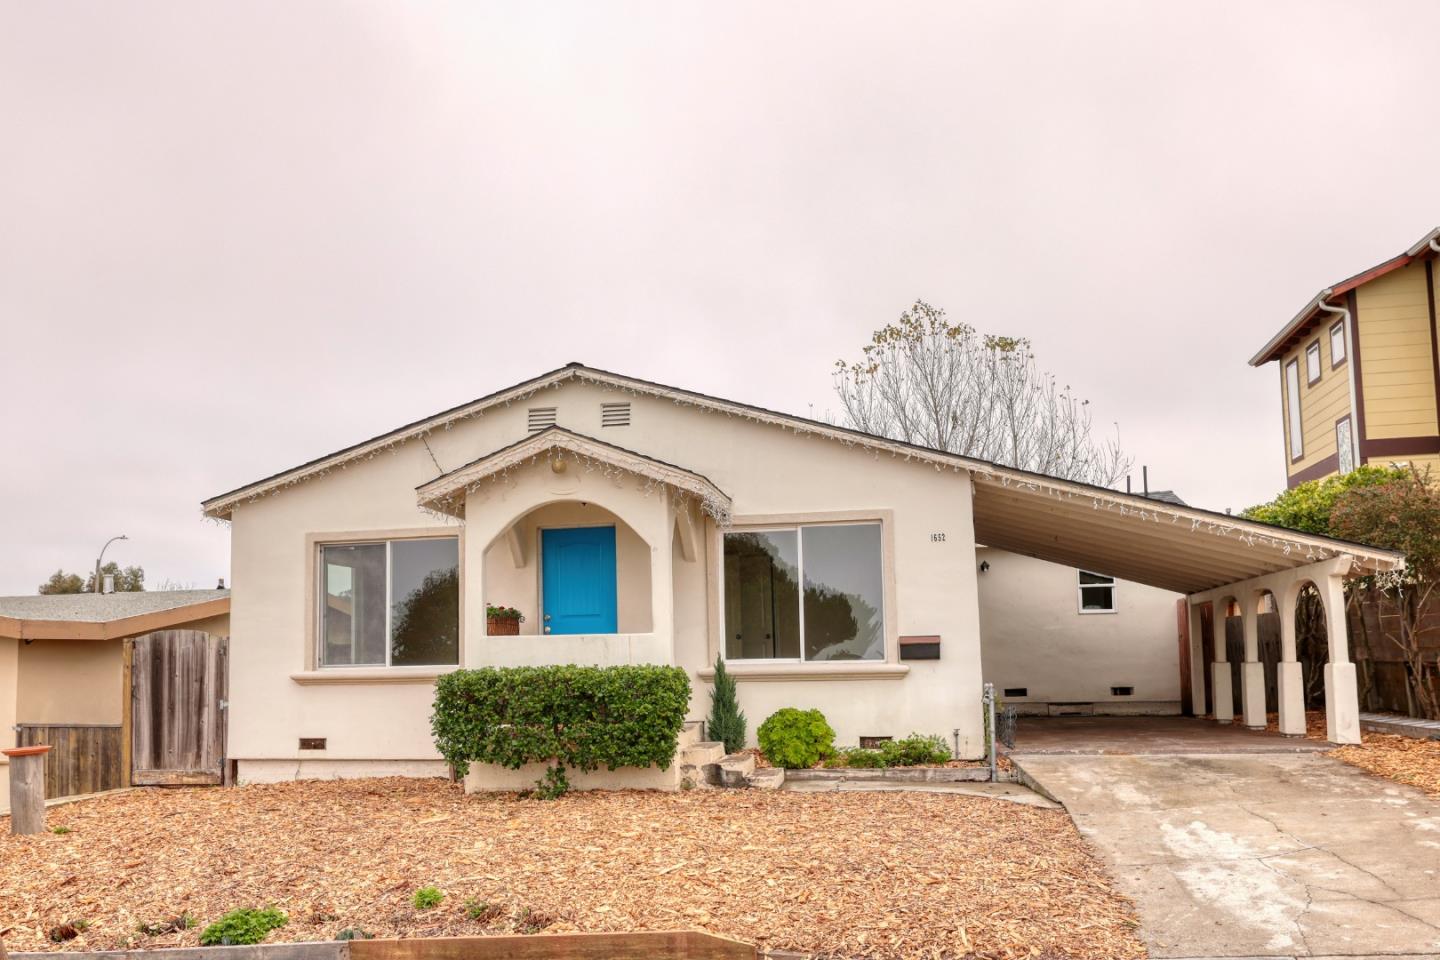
[502, 621]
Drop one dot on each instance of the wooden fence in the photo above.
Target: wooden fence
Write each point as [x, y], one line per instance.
[86, 758]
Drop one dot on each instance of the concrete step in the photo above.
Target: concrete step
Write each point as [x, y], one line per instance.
[690, 733]
[699, 754]
[767, 778]
[736, 769]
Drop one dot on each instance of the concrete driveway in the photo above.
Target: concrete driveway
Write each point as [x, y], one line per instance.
[1258, 854]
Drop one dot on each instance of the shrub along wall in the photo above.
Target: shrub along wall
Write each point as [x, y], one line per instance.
[570, 717]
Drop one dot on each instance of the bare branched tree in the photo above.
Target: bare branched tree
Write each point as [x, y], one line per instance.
[927, 381]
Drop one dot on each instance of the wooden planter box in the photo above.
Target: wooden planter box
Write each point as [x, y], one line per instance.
[502, 626]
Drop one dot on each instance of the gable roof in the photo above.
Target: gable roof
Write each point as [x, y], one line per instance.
[445, 494]
[1300, 325]
[1235, 549]
[100, 616]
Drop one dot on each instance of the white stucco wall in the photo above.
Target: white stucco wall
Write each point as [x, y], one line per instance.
[769, 473]
[1036, 638]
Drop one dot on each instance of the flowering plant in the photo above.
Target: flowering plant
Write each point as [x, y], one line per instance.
[503, 613]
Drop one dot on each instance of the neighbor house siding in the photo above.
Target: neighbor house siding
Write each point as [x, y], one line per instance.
[1320, 405]
[1397, 362]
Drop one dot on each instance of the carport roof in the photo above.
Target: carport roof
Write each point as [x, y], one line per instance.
[1129, 536]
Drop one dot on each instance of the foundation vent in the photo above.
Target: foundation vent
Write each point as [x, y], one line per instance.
[615, 414]
[1122, 691]
[541, 418]
[1017, 691]
[312, 743]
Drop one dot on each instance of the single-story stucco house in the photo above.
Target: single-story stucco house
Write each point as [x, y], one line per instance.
[63, 681]
[632, 522]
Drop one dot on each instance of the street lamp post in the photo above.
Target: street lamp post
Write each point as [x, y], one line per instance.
[102, 557]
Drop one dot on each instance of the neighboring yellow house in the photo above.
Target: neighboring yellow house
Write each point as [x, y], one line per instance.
[1360, 370]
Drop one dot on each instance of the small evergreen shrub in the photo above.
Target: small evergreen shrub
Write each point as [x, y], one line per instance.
[726, 723]
[568, 716]
[427, 897]
[796, 739]
[916, 750]
[242, 926]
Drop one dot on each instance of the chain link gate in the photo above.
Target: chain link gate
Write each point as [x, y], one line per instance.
[1000, 723]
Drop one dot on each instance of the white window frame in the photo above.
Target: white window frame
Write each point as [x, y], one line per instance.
[1314, 364]
[1337, 334]
[796, 528]
[321, 592]
[1081, 587]
[1295, 424]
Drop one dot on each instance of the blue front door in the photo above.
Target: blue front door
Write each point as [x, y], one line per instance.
[578, 580]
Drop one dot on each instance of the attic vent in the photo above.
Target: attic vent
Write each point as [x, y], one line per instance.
[541, 417]
[615, 414]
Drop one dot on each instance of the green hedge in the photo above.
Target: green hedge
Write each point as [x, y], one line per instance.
[579, 717]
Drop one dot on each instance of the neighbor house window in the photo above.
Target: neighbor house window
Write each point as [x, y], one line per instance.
[1337, 344]
[1292, 409]
[1097, 593]
[805, 593]
[1344, 448]
[1312, 363]
[390, 603]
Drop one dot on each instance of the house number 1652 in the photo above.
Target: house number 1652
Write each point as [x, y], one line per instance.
[937, 538]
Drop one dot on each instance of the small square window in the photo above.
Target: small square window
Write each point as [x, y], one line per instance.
[1097, 592]
[1312, 363]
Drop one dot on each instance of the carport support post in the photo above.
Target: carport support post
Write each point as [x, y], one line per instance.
[1197, 661]
[1342, 694]
[1289, 680]
[1252, 671]
[1220, 669]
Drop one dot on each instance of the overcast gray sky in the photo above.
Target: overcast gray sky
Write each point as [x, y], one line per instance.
[235, 236]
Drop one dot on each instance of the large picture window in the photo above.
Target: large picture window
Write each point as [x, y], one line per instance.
[390, 603]
[805, 593]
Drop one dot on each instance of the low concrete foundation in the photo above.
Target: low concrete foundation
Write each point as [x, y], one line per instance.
[280, 771]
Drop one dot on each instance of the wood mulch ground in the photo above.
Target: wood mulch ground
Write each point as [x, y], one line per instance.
[837, 874]
[1407, 760]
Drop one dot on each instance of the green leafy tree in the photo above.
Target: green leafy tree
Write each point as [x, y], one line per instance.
[1402, 514]
[726, 721]
[62, 582]
[1307, 506]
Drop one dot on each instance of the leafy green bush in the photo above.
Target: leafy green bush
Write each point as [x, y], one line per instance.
[857, 757]
[916, 750]
[726, 723]
[568, 716]
[242, 926]
[796, 739]
[427, 897]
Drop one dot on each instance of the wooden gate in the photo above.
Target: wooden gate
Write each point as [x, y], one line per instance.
[178, 684]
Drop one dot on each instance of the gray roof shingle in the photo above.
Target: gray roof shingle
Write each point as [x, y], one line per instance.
[103, 607]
